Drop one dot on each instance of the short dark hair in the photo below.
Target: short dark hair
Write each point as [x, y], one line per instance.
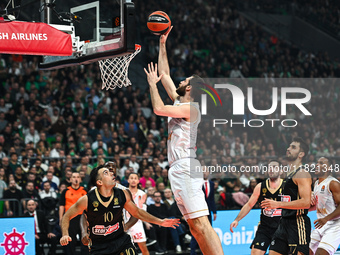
[328, 159]
[275, 160]
[132, 174]
[29, 182]
[195, 80]
[157, 192]
[94, 175]
[303, 145]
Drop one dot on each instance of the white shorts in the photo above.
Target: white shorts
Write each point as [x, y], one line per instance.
[186, 181]
[327, 238]
[137, 232]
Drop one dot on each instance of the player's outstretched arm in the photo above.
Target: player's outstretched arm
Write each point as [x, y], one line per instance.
[163, 67]
[247, 207]
[145, 216]
[182, 111]
[74, 210]
[334, 187]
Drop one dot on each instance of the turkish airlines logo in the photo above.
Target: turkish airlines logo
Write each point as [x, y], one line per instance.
[104, 231]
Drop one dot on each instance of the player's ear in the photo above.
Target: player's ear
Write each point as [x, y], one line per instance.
[99, 182]
[301, 154]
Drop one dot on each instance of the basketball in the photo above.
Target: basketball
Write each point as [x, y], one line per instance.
[158, 22]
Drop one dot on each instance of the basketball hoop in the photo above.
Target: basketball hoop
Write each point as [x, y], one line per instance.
[114, 71]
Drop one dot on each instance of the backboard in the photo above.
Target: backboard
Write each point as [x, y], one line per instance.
[100, 29]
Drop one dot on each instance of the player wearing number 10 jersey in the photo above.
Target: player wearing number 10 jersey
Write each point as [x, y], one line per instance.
[104, 209]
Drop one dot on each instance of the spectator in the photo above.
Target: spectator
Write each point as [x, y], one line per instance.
[159, 210]
[13, 163]
[30, 192]
[133, 163]
[31, 176]
[3, 187]
[146, 177]
[85, 179]
[169, 200]
[5, 165]
[164, 178]
[67, 179]
[13, 207]
[162, 162]
[149, 194]
[3, 176]
[49, 178]
[19, 177]
[125, 166]
[47, 191]
[55, 152]
[251, 187]
[85, 161]
[42, 229]
[24, 165]
[41, 167]
[32, 136]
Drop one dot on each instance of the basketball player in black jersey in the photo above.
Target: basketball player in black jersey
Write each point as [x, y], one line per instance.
[293, 234]
[270, 189]
[112, 166]
[104, 208]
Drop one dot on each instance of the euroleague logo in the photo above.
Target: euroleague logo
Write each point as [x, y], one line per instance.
[240, 100]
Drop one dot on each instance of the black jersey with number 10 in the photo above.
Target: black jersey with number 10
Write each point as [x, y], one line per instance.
[105, 216]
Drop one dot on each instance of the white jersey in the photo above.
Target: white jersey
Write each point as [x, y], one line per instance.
[138, 199]
[182, 136]
[324, 198]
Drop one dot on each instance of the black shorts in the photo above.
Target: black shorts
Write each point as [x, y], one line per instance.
[119, 246]
[263, 238]
[292, 235]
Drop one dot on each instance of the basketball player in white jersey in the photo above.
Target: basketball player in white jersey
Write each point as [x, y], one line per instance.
[325, 238]
[186, 181]
[139, 197]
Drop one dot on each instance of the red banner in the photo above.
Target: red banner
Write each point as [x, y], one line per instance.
[33, 39]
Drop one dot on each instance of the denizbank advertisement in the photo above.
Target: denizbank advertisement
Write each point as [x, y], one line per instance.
[239, 242]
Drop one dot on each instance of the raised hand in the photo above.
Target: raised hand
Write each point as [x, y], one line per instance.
[152, 75]
[164, 37]
[170, 223]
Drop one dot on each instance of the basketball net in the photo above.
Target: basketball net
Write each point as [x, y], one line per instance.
[114, 71]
